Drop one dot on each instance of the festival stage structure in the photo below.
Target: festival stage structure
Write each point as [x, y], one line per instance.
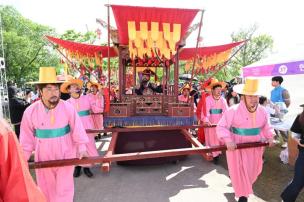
[148, 127]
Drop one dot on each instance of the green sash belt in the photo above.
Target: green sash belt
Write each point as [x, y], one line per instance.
[51, 133]
[216, 111]
[246, 131]
[84, 113]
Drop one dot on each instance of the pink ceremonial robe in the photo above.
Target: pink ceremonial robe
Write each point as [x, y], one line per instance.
[85, 103]
[57, 184]
[97, 118]
[244, 165]
[213, 116]
[182, 98]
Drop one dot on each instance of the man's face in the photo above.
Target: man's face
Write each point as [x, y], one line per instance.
[50, 94]
[186, 92]
[275, 83]
[94, 89]
[74, 90]
[216, 91]
[252, 101]
[146, 77]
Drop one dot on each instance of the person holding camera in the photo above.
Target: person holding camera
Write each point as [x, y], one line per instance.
[293, 189]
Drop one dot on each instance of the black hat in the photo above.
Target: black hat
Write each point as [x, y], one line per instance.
[148, 72]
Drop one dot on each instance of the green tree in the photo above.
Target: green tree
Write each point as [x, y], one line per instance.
[257, 47]
[88, 37]
[25, 49]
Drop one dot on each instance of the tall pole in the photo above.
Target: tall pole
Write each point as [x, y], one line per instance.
[196, 48]
[109, 60]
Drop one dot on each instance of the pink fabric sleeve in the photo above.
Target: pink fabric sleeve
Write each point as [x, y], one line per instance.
[267, 130]
[224, 125]
[97, 105]
[225, 105]
[27, 138]
[208, 105]
[78, 132]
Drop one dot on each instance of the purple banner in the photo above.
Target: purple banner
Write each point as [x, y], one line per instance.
[290, 68]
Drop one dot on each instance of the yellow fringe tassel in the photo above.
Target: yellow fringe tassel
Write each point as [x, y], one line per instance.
[154, 31]
[131, 30]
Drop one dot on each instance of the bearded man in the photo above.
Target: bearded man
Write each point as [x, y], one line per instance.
[52, 129]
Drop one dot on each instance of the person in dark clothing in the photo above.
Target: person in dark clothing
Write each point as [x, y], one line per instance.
[232, 97]
[147, 88]
[195, 94]
[16, 108]
[291, 192]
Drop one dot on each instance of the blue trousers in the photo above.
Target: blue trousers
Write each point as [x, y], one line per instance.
[293, 189]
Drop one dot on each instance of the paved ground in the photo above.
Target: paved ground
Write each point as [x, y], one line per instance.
[191, 180]
[188, 181]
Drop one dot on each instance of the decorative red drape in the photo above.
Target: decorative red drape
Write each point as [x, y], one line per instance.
[123, 14]
[189, 53]
[85, 49]
[16, 183]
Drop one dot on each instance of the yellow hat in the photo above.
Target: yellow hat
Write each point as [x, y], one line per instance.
[251, 87]
[186, 86]
[93, 83]
[215, 82]
[65, 85]
[47, 75]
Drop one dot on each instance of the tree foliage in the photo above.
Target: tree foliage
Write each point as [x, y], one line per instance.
[25, 49]
[88, 37]
[257, 47]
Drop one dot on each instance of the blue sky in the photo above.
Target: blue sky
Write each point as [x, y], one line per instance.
[279, 18]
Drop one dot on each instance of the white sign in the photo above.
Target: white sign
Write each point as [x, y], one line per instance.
[283, 69]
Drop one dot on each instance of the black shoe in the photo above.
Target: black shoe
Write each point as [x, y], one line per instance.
[77, 171]
[99, 136]
[242, 199]
[105, 134]
[96, 138]
[216, 160]
[87, 172]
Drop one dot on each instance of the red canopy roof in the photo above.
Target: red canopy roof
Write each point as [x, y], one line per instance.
[123, 14]
[85, 49]
[189, 53]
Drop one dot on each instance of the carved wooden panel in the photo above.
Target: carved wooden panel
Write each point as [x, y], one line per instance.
[148, 105]
[180, 110]
[120, 110]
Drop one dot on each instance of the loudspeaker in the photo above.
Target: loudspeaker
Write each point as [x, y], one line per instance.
[2, 63]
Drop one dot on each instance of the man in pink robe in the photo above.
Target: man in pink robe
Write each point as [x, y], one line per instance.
[95, 97]
[242, 123]
[216, 105]
[84, 105]
[52, 129]
[185, 96]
